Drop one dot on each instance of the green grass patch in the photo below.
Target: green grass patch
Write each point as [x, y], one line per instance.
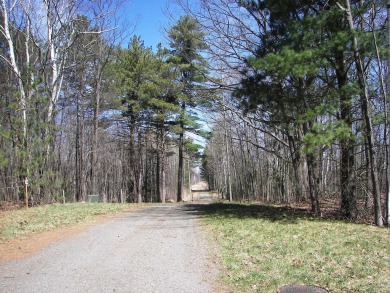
[48, 217]
[265, 247]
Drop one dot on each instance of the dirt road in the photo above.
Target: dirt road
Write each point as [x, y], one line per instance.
[158, 249]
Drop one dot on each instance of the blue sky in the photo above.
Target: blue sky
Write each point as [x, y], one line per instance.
[150, 20]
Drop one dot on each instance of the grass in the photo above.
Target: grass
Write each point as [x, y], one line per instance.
[265, 247]
[48, 217]
[261, 247]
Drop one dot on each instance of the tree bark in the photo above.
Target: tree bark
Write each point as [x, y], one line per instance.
[139, 169]
[180, 171]
[386, 135]
[312, 172]
[366, 110]
[80, 172]
[162, 158]
[95, 138]
[229, 181]
[347, 159]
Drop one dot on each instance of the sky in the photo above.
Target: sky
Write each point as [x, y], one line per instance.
[150, 18]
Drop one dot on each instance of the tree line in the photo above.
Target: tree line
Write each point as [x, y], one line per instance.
[83, 115]
[295, 94]
[304, 102]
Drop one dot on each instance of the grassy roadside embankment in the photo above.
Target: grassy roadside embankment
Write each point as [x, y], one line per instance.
[265, 247]
[49, 217]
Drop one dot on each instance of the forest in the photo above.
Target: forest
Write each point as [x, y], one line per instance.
[275, 101]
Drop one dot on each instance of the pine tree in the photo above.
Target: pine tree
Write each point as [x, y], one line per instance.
[300, 54]
[163, 93]
[150, 106]
[134, 69]
[187, 41]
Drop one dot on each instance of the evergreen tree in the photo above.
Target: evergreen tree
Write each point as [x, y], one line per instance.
[134, 68]
[163, 102]
[299, 57]
[285, 65]
[150, 104]
[187, 41]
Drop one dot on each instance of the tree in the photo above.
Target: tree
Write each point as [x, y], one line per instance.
[386, 136]
[187, 41]
[150, 105]
[299, 85]
[366, 109]
[39, 37]
[135, 69]
[283, 80]
[103, 44]
[163, 101]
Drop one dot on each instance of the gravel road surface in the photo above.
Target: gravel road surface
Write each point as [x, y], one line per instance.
[158, 249]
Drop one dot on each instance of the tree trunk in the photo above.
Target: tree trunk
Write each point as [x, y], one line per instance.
[132, 156]
[181, 156]
[158, 173]
[298, 163]
[95, 138]
[139, 165]
[347, 159]
[366, 110]
[80, 182]
[312, 171]
[386, 135]
[347, 163]
[162, 157]
[229, 180]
